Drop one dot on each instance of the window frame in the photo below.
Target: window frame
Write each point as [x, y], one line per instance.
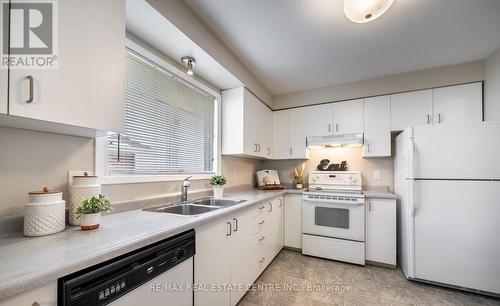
[101, 149]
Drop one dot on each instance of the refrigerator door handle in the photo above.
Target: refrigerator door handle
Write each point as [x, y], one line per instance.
[411, 206]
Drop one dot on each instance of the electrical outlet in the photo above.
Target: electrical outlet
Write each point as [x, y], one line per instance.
[376, 174]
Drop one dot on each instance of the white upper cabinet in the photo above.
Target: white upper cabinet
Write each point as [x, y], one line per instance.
[3, 91]
[297, 134]
[458, 104]
[377, 136]
[411, 109]
[289, 134]
[280, 135]
[87, 87]
[348, 117]
[246, 123]
[319, 120]
[269, 133]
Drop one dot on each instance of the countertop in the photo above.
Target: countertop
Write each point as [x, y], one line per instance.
[379, 192]
[27, 263]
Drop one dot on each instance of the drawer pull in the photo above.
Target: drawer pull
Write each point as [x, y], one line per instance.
[262, 238]
[262, 222]
[262, 260]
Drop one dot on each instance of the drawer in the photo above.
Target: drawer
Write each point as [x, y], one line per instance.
[261, 239]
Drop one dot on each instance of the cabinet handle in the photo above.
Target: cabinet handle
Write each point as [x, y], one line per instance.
[439, 118]
[30, 97]
[329, 127]
[235, 225]
[281, 202]
[262, 260]
[262, 207]
[290, 151]
[268, 151]
[428, 119]
[336, 127]
[228, 233]
[368, 147]
[262, 222]
[258, 145]
[270, 207]
[262, 238]
[369, 206]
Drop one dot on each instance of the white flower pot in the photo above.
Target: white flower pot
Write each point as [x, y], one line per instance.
[90, 221]
[298, 186]
[218, 192]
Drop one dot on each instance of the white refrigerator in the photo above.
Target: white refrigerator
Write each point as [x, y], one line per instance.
[447, 179]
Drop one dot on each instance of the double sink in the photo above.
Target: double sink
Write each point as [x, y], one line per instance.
[194, 207]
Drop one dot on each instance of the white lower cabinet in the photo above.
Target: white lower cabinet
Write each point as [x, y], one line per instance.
[45, 295]
[293, 221]
[233, 252]
[380, 221]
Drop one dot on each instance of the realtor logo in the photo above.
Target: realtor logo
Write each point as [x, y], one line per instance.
[29, 34]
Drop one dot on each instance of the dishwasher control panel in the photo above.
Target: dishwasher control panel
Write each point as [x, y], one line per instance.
[103, 283]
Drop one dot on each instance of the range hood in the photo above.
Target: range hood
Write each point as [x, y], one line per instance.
[351, 140]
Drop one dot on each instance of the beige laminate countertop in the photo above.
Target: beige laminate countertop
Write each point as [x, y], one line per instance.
[26, 263]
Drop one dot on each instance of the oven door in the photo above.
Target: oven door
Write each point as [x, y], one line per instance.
[345, 221]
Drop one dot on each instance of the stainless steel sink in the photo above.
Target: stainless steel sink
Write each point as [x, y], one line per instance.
[217, 202]
[194, 207]
[183, 209]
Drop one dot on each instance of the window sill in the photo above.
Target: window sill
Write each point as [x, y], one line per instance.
[135, 179]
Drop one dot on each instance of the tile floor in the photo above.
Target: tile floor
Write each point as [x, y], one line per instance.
[346, 284]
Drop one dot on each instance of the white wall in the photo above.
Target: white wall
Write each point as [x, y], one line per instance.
[178, 14]
[424, 79]
[30, 160]
[336, 155]
[492, 87]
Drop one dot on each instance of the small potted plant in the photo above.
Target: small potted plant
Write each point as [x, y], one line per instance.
[90, 212]
[298, 177]
[218, 182]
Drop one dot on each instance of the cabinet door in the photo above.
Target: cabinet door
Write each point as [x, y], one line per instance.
[3, 90]
[297, 134]
[377, 138]
[381, 231]
[212, 262]
[87, 88]
[411, 109]
[251, 112]
[243, 265]
[458, 104]
[277, 225]
[348, 117]
[319, 120]
[280, 135]
[45, 295]
[268, 134]
[293, 221]
[3, 77]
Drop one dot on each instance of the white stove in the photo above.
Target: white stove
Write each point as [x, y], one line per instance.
[333, 215]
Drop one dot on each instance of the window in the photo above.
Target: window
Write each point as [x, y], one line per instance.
[169, 124]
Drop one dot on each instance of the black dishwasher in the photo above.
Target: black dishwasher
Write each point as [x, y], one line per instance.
[116, 279]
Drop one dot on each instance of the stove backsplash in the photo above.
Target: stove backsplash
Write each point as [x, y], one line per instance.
[336, 155]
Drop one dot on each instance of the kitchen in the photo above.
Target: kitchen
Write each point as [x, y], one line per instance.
[406, 95]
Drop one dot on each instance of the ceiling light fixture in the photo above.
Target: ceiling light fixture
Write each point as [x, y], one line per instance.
[189, 62]
[362, 11]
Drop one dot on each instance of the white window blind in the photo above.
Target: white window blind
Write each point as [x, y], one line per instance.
[169, 124]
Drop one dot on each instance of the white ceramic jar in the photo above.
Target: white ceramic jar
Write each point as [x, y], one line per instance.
[45, 213]
[83, 187]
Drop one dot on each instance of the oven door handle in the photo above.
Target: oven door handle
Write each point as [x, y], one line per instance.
[321, 202]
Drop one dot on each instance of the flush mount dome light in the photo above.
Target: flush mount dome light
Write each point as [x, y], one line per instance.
[362, 11]
[189, 62]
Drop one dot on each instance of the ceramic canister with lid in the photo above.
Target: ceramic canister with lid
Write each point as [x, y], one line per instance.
[45, 213]
[83, 187]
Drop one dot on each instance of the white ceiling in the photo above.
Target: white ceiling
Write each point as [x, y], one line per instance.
[150, 26]
[293, 45]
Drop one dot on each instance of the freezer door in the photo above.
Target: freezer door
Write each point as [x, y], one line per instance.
[457, 151]
[456, 233]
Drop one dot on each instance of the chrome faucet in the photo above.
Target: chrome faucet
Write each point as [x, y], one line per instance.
[184, 191]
